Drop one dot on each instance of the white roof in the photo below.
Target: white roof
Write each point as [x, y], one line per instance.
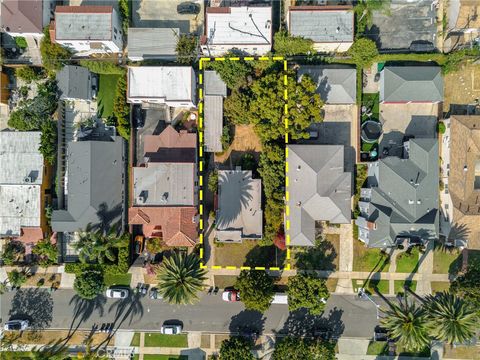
[20, 207]
[169, 82]
[239, 25]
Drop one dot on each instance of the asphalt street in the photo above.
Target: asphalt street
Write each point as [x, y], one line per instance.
[346, 314]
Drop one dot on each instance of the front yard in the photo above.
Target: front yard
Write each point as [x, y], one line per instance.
[248, 253]
[121, 279]
[407, 262]
[323, 256]
[399, 286]
[366, 259]
[106, 93]
[371, 286]
[159, 340]
[446, 261]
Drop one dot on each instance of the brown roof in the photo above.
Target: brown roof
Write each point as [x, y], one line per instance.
[171, 146]
[30, 235]
[176, 225]
[89, 9]
[22, 16]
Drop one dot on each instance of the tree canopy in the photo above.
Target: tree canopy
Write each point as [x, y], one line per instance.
[99, 247]
[363, 51]
[303, 349]
[53, 55]
[467, 285]
[307, 291]
[236, 348]
[102, 67]
[233, 72]
[88, 284]
[186, 49]
[286, 44]
[256, 289]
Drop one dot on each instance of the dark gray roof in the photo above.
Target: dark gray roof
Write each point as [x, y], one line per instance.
[213, 84]
[152, 43]
[402, 196]
[411, 83]
[95, 186]
[335, 84]
[74, 82]
[322, 25]
[319, 189]
[213, 118]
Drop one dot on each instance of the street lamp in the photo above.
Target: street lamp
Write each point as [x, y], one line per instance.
[364, 296]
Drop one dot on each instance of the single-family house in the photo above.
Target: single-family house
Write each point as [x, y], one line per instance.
[215, 90]
[400, 200]
[319, 189]
[246, 29]
[165, 188]
[331, 28]
[26, 18]
[152, 43]
[86, 30]
[74, 82]
[174, 86]
[239, 214]
[411, 84]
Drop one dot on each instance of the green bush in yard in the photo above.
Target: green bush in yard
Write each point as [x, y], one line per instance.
[285, 44]
[236, 348]
[53, 55]
[16, 278]
[441, 127]
[29, 74]
[21, 42]
[102, 67]
[89, 283]
[363, 52]
[121, 110]
[186, 49]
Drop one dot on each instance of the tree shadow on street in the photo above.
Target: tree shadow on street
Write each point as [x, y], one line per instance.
[35, 305]
[247, 320]
[82, 311]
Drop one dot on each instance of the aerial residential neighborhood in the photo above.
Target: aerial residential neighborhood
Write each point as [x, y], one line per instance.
[240, 179]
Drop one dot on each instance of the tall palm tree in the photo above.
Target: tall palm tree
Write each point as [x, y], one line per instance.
[56, 351]
[99, 247]
[451, 318]
[180, 278]
[407, 322]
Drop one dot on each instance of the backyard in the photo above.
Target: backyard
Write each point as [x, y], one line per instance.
[370, 111]
[106, 94]
[248, 253]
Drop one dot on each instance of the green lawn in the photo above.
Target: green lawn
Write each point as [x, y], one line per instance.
[381, 285]
[106, 93]
[158, 340]
[408, 263]
[371, 101]
[439, 286]
[398, 285]
[135, 340]
[377, 348]
[122, 279]
[366, 147]
[366, 259]
[164, 357]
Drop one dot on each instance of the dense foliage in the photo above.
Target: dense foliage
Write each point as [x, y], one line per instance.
[213, 181]
[233, 72]
[364, 13]
[102, 67]
[53, 55]
[46, 252]
[29, 74]
[121, 109]
[99, 247]
[363, 52]
[303, 349]
[89, 283]
[124, 8]
[467, 284]
[12, 251]
[16, 278]
[307, 291]
[48, 141]
[186, 49]
[236, 348]
[285, 44]
[256, 289]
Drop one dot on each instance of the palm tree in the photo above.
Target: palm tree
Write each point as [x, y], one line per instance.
[55, 351]
[451, 318]
[99, 247]
[407, 322]
[180, 278]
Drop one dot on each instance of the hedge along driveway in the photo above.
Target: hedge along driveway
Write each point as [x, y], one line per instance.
[106, 94]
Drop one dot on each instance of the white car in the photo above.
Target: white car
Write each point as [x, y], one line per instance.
[117, 293]
[16, 325]
[171, 329]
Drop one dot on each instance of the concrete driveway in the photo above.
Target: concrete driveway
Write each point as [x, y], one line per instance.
[401, 120]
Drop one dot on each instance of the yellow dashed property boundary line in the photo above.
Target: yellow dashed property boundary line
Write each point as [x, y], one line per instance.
[202, 165]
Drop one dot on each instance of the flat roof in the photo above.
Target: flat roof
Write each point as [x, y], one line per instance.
[213, 117]
[83, 22]
[20, 207]
[149, 43]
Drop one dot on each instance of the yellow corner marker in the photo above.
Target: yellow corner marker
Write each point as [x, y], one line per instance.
[287, 267]
[231, 268]
[203, 266]
[200, 79]
[249, 58]
[259, 267]
[245, 268]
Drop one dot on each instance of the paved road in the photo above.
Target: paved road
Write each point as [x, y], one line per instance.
[62, 310]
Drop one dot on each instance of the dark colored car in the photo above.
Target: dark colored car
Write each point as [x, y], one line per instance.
[188, 7]
[380, 334]
[138, 116]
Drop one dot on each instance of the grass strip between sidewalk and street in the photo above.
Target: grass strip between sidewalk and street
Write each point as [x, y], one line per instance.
[159, 340]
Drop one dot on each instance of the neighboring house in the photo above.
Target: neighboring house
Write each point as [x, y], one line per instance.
[335, 84]
[411, 84]
[319, 189]
[170, 85]
[26, 18]
[331, 28]
[152, 43]
[246, 29]
[23, 187]
[94, 190]
[74, 82]
[400, 199]
[87, 30]
[215, 90]
[165, 188]
[239, 214]
[464, 180]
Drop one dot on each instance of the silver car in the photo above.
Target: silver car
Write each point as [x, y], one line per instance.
[117, 293]
[16, 325]
[171, 329]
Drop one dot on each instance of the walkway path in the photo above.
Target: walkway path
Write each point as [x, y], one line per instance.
[345, 263]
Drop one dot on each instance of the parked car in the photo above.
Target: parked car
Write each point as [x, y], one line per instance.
[139, 244]
[154, 294]
[231, 295]
[16, 325]
[171, 329]
[117, 292]
[380, 334]
[188, 7]
[280, 298]
[138, 117]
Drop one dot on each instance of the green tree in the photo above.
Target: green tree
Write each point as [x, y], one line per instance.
[233, 72]
[180, 278]
[186, 49]
[3, 287]
[56, 351]
[285, 44]
[364, 12]
[28, 74]
[441, 127]
[102, 67]
[451, 318]
[226, 138]
[256, 289]
[53, 55]
[467, 284]
[124, 8]
[303, 349]
[213, 181]
[48, 141]
[21, 42]
[12, 252]
[89, 283]
[407, 322]
[235, 107]
[248, 162]
[307, 291]
[96, 246]
[363, 52]
[121, 109]
[16, 278]
[46, 251]
[236, 348]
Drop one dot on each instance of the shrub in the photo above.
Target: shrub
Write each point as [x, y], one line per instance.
[441, 127]
[21, 42]
[125, 13]
[256, 289]
[12, 251]
[233, 73]
[46, 252]
[41, 282]
[102, 67]
[226, 138]
[53, 55]
[186, 49]
[16, 278]
[48, 141]
[28, 74]
[89, 283]
[363, 52]
[213, 181]
[285, 44]
[121, 110]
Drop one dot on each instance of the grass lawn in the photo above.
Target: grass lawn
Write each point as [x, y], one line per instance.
[248, 253]
[135, 340]
[377, 348]
[461, 352]
[408, 262]
[371, 101]
[366, 259]
[223, 281]
[158, 340]
[398, 285]
[446, 261]
[122, 279]
[366, 147]
[106, 93]
[164, 357]
[322, 256]
[381, 285]
[439, 286]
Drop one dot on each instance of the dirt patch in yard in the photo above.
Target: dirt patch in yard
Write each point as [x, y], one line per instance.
[245, 140]
[52, 336]
[323, 256]
[43, 279]
[462, 86]
[248, 253]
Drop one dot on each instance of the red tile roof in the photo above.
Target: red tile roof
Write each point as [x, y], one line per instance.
[89, 9]
[170, 138]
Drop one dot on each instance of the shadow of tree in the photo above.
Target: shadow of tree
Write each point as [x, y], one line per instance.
[319, 257]
[82, 310]
[265, 256]
[36, 305]
[247, 320]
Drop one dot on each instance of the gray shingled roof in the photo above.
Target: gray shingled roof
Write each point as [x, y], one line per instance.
[95, 187]
[411, 83]
[74, 82]
[213, 117]
[404, 196]
[319, 189]
[335, 84]
[82, 26]
[213, 84]
[152, 43]
[322, 25]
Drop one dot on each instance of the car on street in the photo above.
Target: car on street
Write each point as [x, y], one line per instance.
[155, 294]
[380, 334]
[138, 116]
[188, 7]
[231, 295]
[117, 292]
[16, 325]
[171, 329]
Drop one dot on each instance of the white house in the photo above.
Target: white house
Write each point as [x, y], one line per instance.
[170, 85]
[87, 30]
[246, 29]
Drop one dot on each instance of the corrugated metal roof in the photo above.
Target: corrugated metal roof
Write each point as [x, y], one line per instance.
[213, 109]
[152, 43]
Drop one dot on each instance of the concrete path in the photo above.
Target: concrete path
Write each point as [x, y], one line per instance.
[123, 338]
[67, 281]
[345, 263]
[353, 346]
[425, 268]
[137, 276]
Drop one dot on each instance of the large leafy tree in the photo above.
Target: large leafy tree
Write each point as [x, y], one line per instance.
[46, 252]
[467, 285]
[186, 49]
[233, 72]
[363, 51]
[286, 44]
[89, 283]
[180, 278]
[307, 291]
[53, 55]
[256, 289]
[452, 319]
[408, 322]
[97, 246]
[303, 349]
[236, 348]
